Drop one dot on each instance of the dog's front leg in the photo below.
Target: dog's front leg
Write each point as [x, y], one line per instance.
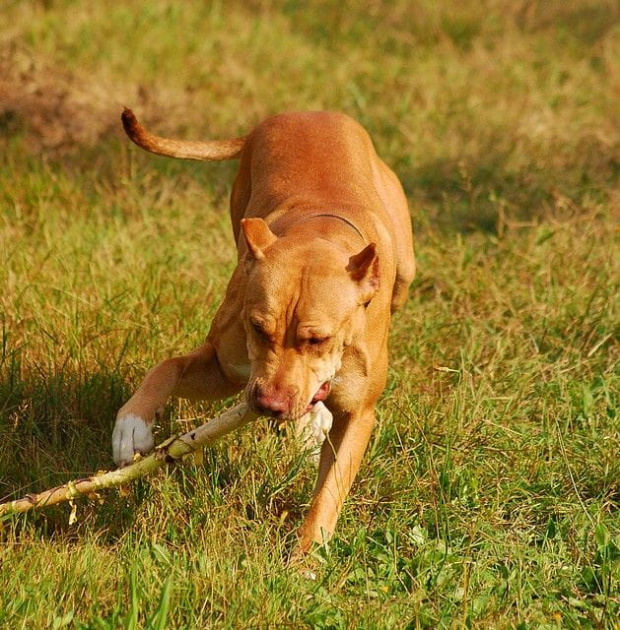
[341, 456]
[196, 375]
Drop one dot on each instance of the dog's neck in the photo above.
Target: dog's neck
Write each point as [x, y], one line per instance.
[329, 215]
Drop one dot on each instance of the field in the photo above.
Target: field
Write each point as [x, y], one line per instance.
[490, 494]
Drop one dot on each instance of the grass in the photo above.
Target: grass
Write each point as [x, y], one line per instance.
[489, 496]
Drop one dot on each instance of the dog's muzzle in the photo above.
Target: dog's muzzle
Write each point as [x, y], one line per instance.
[322, 394]
[279, 402]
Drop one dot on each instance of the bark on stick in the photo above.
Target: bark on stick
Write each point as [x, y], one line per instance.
[168, 452]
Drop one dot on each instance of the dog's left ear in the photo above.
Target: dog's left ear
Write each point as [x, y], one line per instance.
[364, 269]
[258, 236]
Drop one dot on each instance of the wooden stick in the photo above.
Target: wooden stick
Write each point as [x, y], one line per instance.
[168, 452]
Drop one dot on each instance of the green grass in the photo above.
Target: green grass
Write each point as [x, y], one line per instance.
[490, 492]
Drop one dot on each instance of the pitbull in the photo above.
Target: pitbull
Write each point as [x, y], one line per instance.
[325, 256]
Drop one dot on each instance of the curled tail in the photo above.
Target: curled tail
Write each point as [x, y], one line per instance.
[212, 151]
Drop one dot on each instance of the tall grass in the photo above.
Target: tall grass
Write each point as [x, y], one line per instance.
[489, 495]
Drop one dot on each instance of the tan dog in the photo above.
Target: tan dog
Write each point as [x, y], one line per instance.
[325, 256]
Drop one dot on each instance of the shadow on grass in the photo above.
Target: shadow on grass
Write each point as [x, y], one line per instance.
[56, 427]
[478, 192]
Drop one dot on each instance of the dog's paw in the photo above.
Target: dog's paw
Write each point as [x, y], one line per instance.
[131, 435]
[313, 428]
[321, 422]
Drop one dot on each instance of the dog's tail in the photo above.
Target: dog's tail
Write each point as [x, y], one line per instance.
[212, 151]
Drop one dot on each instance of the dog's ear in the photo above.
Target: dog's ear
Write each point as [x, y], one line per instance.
[364, 269]
[258, 236]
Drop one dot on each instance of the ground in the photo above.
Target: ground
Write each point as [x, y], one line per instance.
[489, 495]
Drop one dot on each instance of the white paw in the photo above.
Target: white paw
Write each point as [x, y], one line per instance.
[314, 426]
[131, 435]
[321, 422]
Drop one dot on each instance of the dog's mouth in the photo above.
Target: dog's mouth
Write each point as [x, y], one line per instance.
[282, 404]
[321, 394]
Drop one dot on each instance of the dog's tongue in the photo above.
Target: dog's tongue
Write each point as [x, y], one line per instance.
[323, 392]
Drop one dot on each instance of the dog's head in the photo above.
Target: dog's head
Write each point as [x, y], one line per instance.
[305, 303]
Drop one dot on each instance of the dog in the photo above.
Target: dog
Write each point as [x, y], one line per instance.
[325, 256]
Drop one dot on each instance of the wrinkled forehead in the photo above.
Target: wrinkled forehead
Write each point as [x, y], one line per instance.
[312, 289]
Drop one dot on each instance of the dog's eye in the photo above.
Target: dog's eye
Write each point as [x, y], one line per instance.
[316, 341]
[259, 328]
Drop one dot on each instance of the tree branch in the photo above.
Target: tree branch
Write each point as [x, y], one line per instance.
[166, 453]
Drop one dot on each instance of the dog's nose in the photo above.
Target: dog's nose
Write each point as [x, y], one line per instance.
[272, 402]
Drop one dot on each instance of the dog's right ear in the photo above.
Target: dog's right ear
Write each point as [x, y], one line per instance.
[258, 236]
